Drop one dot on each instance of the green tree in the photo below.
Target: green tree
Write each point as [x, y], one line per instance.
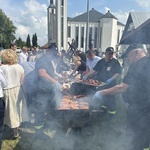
[7, 30]
[28, 43]
[35, 36]
[23, 43]
[34, 40]
[19, 42]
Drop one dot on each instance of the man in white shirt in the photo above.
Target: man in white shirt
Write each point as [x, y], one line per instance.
[22, 57]
[92, 60]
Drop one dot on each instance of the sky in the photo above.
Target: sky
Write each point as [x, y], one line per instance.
[30, 16]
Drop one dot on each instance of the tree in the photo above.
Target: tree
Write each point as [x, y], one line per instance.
[36, 44]
[20, 43]
[7, 30]
[34, 40]
[28, 43]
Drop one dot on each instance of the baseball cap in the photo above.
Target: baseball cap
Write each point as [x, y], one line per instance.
[110, 50]
[131, 48]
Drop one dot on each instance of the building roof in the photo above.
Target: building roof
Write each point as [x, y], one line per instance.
[135, 19]
[139, 17]
[134, 22]
[69, 18]
[94, 16]
[108, 15]
[120, 24]
[139, 35]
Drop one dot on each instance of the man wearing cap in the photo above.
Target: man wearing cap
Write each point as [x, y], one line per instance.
[47, 88]
[108, 70]
[136, 85]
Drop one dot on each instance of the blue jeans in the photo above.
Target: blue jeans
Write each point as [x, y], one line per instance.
[2, 108]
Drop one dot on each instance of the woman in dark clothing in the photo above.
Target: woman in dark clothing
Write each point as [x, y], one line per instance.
[80, 65]
[81, 55]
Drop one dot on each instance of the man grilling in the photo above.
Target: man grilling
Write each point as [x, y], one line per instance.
[108, 70]
[49, 90]
[136, 86]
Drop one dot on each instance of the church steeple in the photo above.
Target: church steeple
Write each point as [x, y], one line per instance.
[52, 4]
[51, 16]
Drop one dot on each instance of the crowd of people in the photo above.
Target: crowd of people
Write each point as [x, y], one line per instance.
[29, 83]
[13, 105]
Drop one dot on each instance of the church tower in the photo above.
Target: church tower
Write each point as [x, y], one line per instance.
[51, 19]
[57, 23]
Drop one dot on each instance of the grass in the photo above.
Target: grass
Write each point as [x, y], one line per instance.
[101, 135]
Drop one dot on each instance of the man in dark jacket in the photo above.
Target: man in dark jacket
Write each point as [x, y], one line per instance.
[136, 85]
[48, 88]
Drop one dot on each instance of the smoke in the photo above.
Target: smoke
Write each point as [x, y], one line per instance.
[66, 133]
[96, 134]
[57, 94]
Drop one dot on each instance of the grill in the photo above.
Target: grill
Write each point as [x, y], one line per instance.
[77, 117]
